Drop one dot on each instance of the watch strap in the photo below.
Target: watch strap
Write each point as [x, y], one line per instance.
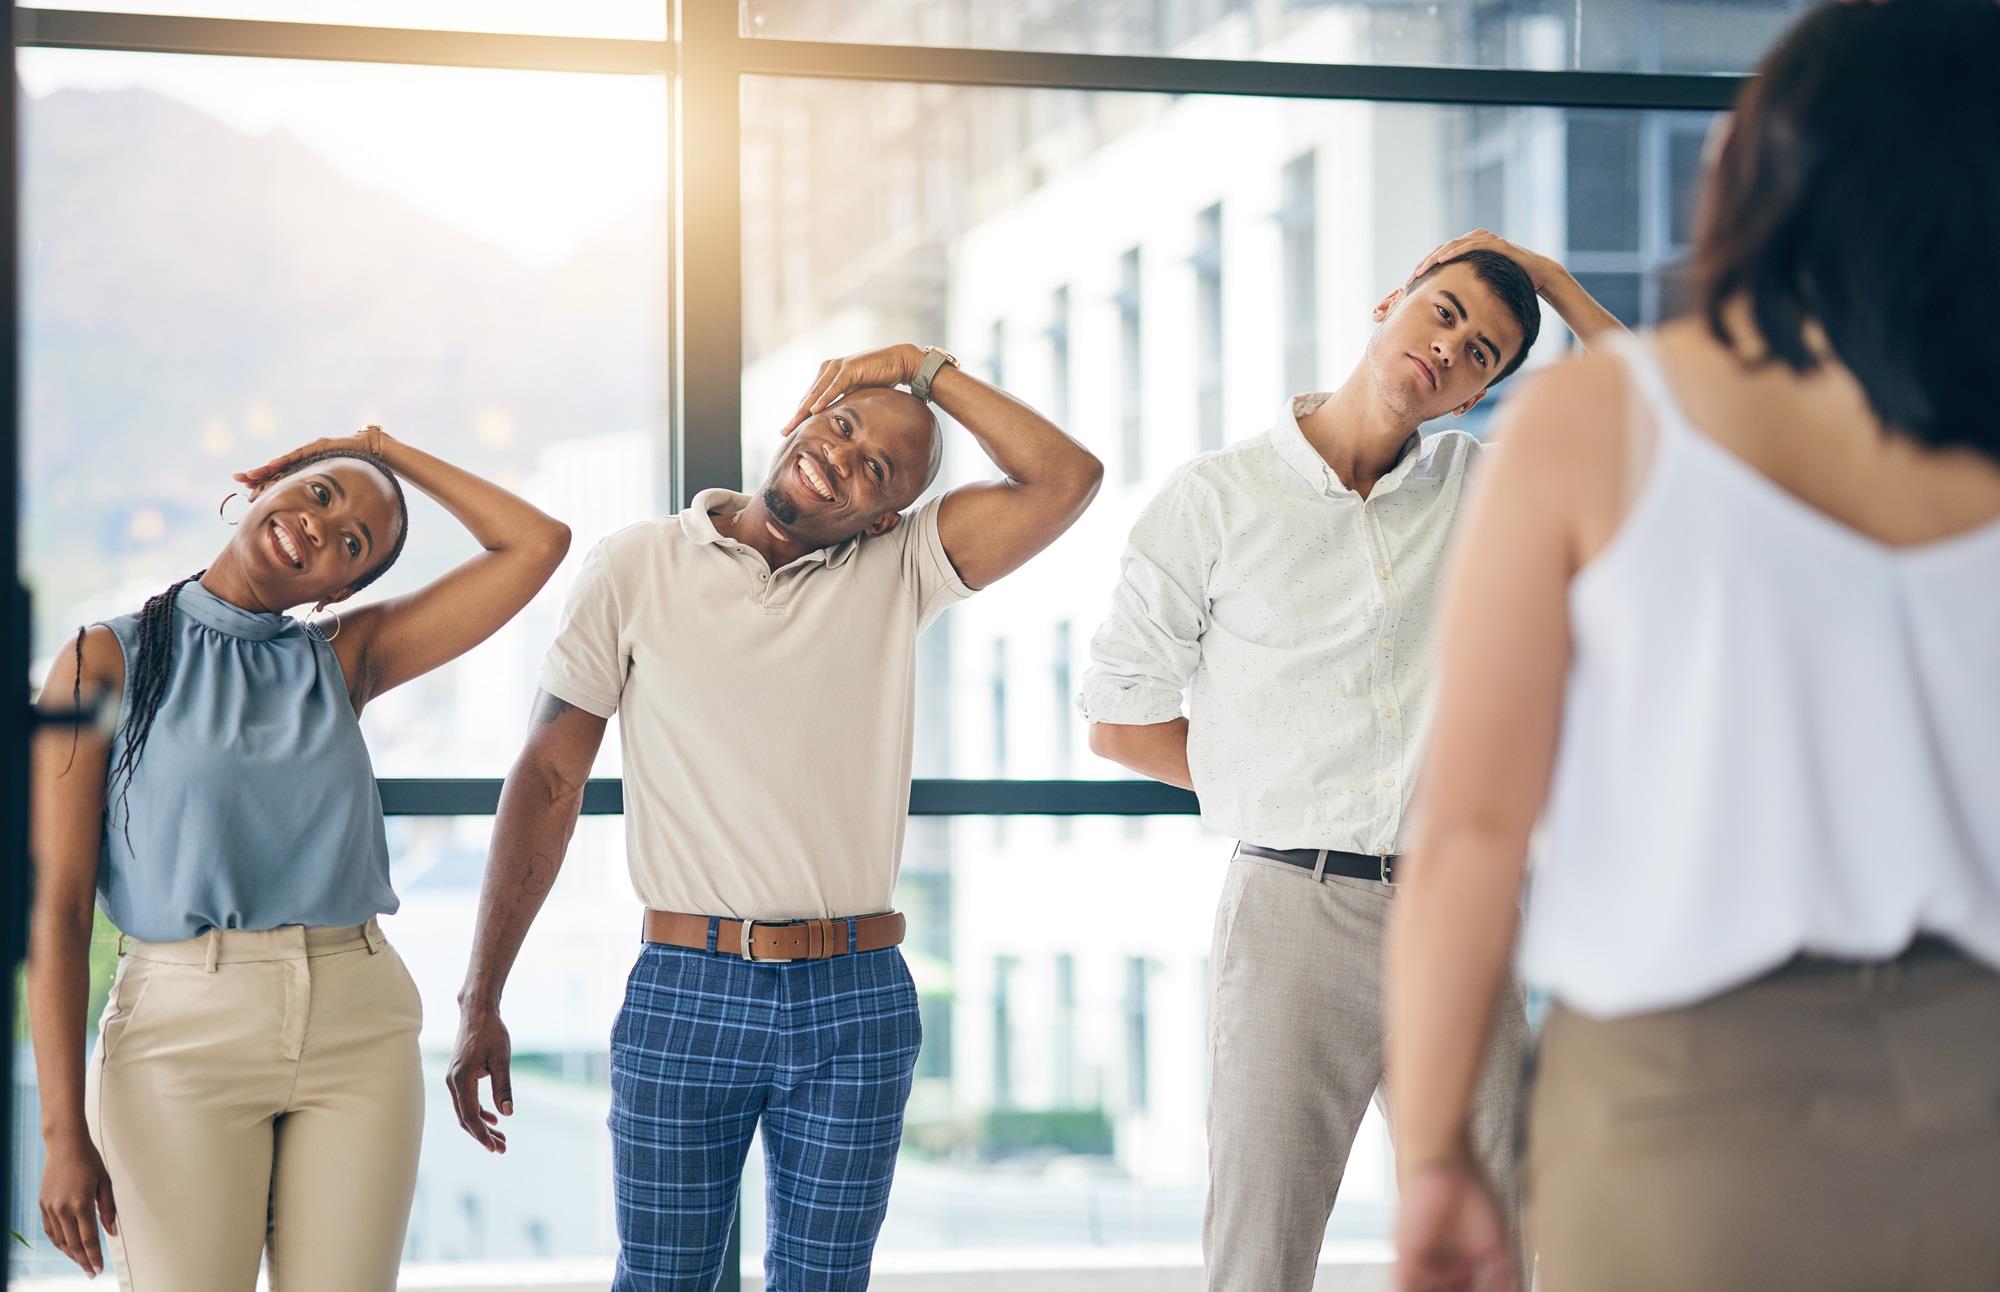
[935, 357]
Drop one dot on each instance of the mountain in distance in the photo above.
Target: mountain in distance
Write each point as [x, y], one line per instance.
[196, 300]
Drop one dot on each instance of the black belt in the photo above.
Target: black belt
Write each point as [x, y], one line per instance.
[1325, 861]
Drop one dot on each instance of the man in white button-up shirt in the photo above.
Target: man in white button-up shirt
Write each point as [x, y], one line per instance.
[1286, 589]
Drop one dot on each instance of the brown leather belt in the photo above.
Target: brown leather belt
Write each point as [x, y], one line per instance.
[776, 942]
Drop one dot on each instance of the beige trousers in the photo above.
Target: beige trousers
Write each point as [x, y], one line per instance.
[254, 1092]
[1827, 1129]
[1295, 1054]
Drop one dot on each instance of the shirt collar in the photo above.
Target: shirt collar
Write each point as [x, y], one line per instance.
[209, 610]
[1302, 457]
[698, 525]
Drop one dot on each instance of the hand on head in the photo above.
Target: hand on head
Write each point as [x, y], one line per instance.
[1537, 267]
[892, 365]
[368, 440]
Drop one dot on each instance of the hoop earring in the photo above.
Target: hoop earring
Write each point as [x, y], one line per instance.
[312, 626]
[233, 493]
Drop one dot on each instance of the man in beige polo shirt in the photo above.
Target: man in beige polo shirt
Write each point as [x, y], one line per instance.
[761, 650]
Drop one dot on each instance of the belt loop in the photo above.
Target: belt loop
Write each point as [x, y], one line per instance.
[372, 935]
[123, 938]
[714, 923]
[853, 934]
[1319, 870]
[214, 948]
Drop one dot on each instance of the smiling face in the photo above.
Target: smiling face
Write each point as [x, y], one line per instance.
[1442, 343]
[852, 468]
[310, 536]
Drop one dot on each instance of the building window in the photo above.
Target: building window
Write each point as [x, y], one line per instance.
[1065, 1091]
[1000, 706]
[1004, 968]
[996, 354]
[1131, 372]
[934, 1059]
[1058, 338]
[1602, 197]
[1064, 727]
[1207, 261]
[1065, 724]
[1298, 225]
[999, 721]
[1137, 1093]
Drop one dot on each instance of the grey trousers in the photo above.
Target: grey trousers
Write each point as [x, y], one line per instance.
[1295, 1054]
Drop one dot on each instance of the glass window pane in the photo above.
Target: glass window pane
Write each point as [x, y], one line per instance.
[631, 19]
[1188, 322]
[225, 258]
[1592, 35]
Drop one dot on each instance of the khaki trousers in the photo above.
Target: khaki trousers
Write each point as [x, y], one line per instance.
[1295, 1054]
[1827, 1129]
[253, 1092]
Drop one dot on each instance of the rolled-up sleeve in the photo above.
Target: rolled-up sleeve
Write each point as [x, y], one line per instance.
[1146, 649]
[586, 663]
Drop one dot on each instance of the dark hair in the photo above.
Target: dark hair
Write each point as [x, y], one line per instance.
[153, 662]
[1516, 291]
[1857, 190]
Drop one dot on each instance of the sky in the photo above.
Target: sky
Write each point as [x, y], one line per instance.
[532, 162]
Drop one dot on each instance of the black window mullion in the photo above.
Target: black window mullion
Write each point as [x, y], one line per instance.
[333, 42]
[1378, 82]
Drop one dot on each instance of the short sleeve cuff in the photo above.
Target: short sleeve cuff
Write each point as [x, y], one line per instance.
[948, 581]
[566, 690]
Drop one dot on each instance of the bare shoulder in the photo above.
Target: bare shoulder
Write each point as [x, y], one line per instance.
[1566, 442]
[101, 668]
[1566, 407]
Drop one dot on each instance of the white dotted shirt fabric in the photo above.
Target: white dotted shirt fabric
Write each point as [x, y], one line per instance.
[1295, 620]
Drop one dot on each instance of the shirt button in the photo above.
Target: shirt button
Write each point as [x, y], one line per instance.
[763, 578]
[1388, 643]
[1388, 713]
[1388, 780]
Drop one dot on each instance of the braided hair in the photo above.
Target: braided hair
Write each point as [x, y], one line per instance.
[152, 664]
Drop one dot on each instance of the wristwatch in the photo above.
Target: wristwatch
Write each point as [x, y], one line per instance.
[935, 357]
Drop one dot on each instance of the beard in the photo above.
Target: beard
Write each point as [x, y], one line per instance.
[782, 509]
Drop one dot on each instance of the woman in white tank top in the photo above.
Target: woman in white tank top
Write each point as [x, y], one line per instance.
[1726, 622]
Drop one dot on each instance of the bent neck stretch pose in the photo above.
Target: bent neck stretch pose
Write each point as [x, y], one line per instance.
[760, 652]
[1283, 590]
[266, 1104]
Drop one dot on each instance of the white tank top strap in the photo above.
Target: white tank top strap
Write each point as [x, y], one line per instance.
[1649, 379]
[1649, 407]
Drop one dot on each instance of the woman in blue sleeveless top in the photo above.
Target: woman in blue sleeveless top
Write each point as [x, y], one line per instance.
[255, 1087]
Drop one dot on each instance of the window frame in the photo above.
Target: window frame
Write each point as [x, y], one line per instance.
[705, 59]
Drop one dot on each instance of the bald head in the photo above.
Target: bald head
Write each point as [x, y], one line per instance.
[906, 417]
[854, 467]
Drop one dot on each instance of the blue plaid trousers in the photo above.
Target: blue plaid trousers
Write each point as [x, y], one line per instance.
[706, 1046]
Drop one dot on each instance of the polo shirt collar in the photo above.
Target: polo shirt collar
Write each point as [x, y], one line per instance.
[1302, 457]
[698, 525]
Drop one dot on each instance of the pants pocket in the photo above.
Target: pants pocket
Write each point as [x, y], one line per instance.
[121, 1006]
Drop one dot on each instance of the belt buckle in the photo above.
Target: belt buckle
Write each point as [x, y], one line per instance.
[749, 926]
[1387, 866]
